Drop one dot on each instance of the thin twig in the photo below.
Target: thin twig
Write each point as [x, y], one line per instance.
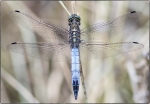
[82, 80]
[62, 4]
[83, 84]
[74, 9]
[18, 87]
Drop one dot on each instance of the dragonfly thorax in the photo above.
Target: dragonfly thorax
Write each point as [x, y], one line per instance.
[74, 30]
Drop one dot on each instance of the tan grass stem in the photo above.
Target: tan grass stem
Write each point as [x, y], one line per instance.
[18, 87]
[62, 4]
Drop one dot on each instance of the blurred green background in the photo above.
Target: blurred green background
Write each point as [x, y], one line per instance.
[120, 79]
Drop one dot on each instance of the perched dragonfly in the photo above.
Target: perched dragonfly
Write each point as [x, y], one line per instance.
[75, 44]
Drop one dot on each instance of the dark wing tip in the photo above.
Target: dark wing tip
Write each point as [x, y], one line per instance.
[136, 42]
[17, 11]
[133, 12]
[14, 43]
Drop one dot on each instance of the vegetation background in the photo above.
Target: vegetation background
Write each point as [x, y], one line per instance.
[120, 79]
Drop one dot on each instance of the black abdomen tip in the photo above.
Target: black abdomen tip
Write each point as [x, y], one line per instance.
[17, 11]
[136, 42]
[133, 11]
[14, 43]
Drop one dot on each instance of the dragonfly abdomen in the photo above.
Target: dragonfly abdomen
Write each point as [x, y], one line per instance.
[75, 70]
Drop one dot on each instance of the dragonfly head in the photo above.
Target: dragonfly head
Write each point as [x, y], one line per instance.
[74, 19]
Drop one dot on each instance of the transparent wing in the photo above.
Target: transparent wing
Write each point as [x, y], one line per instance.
[102, 31]
[43, 29]
[103, 50]
[45, 51]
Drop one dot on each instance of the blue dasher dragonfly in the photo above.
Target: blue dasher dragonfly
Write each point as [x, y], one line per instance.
[75, 44]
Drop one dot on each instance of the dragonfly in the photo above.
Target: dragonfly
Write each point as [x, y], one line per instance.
[75, 43]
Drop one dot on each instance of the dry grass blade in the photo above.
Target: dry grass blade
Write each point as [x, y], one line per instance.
[83, 84]
[18, 87]
[74, 9]
[64, 7]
